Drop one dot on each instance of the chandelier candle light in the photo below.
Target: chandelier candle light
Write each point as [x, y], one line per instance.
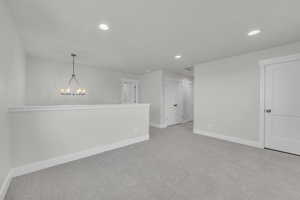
[73, 86]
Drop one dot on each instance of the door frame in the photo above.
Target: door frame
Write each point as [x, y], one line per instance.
[136, 82]
[263, 64]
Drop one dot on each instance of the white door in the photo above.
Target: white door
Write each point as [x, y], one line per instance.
[173, 102]
[282, 106]
[129, 91]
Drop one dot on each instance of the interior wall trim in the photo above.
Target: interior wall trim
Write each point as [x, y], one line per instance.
[5, 185]
[158, 125]
[251, 143]
[73, 107]
[33, 167]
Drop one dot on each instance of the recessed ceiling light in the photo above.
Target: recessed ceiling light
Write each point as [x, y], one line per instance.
[103, 27]
[177, 57]
[254, 32]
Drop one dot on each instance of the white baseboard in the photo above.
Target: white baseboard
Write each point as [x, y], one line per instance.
[186, 121]
[229, 138]
[5, 185]
[74, 156]
[158, 125]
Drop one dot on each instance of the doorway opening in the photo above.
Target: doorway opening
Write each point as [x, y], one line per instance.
[178, 101]
[129, 91]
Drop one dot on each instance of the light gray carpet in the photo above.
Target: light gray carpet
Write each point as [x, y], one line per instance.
[173, 165]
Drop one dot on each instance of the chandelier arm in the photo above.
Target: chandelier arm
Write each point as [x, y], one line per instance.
[73, 77]
[70, 80]
[76, 80]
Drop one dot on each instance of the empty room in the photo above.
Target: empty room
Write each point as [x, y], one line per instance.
[149, 100]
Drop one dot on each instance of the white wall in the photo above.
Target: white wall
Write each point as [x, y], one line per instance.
[151, 91]
[45, 78]
[12, 78]
[45, 132]
[176, 76]
[226, 94]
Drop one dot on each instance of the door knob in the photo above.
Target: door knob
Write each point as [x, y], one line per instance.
[268, 110]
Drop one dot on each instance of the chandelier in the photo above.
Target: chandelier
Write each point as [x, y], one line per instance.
[73, 88]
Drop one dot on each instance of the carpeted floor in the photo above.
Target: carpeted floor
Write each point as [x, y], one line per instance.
[173, 165]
